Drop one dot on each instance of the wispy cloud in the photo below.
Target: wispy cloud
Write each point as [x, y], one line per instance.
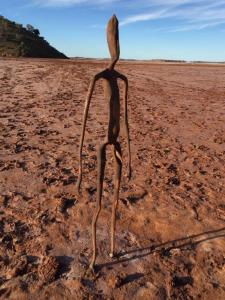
[196, 26]
[145, 17]
[185, 14]
[190, 14]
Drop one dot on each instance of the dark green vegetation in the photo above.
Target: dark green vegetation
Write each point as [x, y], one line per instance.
[17, 41]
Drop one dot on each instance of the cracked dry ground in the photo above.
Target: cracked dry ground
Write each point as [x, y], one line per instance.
[170, 234]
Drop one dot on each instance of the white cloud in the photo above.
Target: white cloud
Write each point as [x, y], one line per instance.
[186, 14]
[144, 17]
[196, 26]
[192, 14]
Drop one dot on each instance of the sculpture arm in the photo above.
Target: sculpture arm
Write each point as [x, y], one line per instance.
[87, 104]
[125, 98]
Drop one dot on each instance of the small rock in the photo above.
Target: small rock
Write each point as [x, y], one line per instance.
[172, 168]
[167, 150]
[175, 252]
[174, 181]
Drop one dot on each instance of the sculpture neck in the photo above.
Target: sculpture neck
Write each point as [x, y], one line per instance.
[112, 65]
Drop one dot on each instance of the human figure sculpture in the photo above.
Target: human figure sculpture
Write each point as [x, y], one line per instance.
[111, 92]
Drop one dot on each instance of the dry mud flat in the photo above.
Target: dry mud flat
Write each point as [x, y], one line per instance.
[170, 233]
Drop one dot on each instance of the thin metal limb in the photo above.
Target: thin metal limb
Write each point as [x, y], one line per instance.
[101, 170]
[87, 105]
[125, 97]
[127, 127]
[117, 180]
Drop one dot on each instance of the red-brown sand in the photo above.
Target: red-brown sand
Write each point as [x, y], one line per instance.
[170, 234]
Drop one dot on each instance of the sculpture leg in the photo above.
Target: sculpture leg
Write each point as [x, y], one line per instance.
[101, 168]
[118, 170]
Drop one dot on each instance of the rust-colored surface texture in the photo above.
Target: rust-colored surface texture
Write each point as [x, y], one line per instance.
[170, 231]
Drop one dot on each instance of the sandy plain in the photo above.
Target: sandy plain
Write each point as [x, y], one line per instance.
[170, 234]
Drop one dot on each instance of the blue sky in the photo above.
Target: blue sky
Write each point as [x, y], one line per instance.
[149, 29]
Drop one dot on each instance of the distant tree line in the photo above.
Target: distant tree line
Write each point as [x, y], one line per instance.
[9, 24]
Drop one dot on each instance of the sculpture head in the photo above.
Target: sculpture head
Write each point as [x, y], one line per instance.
[113, 41]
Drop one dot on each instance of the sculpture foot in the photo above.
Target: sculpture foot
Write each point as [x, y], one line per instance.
[91, 268]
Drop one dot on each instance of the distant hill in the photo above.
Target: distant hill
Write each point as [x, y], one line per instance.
[17, 41]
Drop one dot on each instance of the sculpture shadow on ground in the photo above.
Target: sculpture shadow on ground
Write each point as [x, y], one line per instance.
[165, 248]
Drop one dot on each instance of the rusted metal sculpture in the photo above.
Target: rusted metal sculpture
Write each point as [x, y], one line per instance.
[111, 91]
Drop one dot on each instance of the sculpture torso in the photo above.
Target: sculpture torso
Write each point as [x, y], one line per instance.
[111, 92]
